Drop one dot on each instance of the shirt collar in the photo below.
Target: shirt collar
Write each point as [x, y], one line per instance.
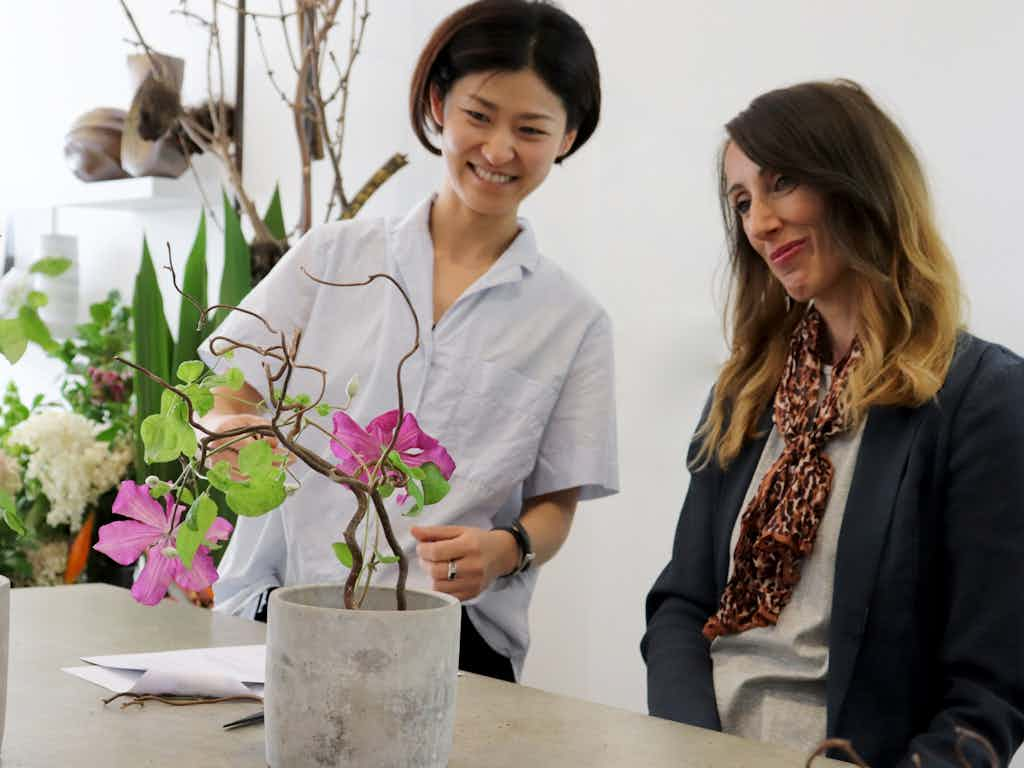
[413, 238]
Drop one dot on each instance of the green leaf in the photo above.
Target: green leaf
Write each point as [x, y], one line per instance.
[35, 329]
[414, 490]
[236, 281]
[255, 497]
[101, 312]
[51, 267]
[220, 476]
[185, 496]
[10, 511]
[152, 349]
[256, 458]
[160, 490]
[190, 537]
[385, 490]
[235, 378]
[36, 299]
[194, 284]
[190, 370]
[323, 409]
[109, 434]
[201, 397]
[385, 559]
[274, 217]
[165, 438]
[12, 340]
[435, 487]
[343, 553]
[160, 438]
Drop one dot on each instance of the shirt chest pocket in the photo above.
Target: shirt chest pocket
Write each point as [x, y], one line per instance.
[496, 418]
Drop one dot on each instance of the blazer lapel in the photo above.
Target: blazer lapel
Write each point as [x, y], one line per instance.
[881, 463]
[732, 493]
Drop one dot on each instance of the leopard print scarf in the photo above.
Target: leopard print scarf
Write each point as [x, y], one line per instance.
[780, 523]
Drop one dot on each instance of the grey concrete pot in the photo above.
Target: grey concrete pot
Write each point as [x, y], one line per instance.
[365, 688]
[5, 633]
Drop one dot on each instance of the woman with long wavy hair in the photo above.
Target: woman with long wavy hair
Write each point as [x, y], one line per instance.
[849, 554]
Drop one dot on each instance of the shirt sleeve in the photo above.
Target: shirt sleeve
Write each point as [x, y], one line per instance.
[254, 562]
[284, 298]
[579, 445]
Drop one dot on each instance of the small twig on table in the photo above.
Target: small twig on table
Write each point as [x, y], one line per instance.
[175, 701]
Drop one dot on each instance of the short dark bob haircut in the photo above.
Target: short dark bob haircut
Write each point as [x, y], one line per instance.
[507, 36]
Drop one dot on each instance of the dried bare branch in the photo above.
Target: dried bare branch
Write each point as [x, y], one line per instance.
[267, 66]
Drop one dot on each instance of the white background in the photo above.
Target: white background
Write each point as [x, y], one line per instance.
[634, 215]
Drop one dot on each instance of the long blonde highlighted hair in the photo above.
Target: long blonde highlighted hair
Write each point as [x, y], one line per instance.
[834, 138]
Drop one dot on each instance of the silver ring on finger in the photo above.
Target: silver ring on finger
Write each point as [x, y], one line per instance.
[453, 571]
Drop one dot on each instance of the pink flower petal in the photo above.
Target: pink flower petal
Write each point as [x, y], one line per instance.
[134, 501]
[123, 541]
[382, 427]
[202, 574]
[218, 531]
[352, 445]
[151, 585]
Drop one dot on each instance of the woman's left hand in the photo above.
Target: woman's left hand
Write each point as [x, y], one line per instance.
[464, 561]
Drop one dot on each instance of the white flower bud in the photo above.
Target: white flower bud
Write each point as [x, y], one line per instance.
[152, 481]
[353, 386]
[170, 552]
[290, 488]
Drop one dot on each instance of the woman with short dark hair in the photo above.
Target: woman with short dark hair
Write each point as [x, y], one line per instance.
[848, 558]
[514, 374]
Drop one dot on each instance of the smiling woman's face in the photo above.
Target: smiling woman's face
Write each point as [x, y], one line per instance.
[500, 134]
[785, 224]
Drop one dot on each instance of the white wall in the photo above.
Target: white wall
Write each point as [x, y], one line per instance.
[634, 215]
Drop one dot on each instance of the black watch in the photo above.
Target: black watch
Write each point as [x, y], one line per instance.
[522, 538]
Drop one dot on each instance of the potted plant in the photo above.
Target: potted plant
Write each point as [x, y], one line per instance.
[356, 675]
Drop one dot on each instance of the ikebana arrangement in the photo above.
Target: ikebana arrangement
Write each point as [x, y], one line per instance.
[175, 523]
[377, 683]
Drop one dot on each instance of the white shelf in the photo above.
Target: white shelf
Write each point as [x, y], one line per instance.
[136, 194]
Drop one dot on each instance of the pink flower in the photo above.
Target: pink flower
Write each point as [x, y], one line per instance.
[152, 530]
[358, 448]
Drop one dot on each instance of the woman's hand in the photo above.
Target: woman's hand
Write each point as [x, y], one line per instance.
[477, 556]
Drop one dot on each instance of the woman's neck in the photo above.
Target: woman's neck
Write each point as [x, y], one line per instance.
[840, 316]
[463, 236]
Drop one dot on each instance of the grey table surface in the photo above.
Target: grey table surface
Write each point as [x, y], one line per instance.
[54, 719]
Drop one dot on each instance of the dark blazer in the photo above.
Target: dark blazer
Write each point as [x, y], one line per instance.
[927, 626]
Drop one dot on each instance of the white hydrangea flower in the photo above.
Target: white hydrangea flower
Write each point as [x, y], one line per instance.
[72, 466]
[10, 474]
[14, 289]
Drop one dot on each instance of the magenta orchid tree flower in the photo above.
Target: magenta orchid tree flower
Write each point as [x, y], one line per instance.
[153, 530]
[360, 449]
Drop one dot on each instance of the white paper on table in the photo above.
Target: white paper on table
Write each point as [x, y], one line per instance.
[224, 671]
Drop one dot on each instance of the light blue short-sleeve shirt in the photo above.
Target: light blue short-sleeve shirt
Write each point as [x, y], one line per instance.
[516, 381]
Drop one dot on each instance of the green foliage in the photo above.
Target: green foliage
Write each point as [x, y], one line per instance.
[25, 325]
[94, 384]
[53, 266]
[274, 217]
[200, 517]
[236, 281]
[153, 347]
[13, 340]
[10, 514]
[343, 553]
[263, 487]
[194, 284]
